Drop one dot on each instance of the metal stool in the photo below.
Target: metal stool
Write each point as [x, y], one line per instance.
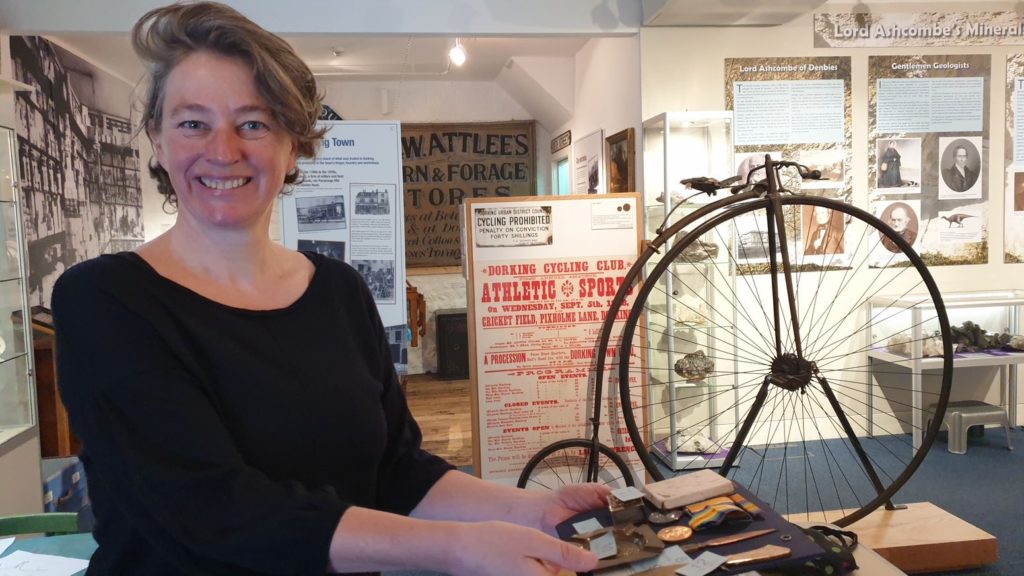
[960, 416]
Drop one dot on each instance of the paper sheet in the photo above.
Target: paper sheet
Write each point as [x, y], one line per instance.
[20, 563]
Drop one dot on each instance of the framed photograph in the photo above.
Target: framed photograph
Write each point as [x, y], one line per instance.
[620, 155]
[897, 166]
[960, 163]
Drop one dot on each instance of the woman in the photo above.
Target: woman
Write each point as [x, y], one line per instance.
[237, 400]
[889, 167]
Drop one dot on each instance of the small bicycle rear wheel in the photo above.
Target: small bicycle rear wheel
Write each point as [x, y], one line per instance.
[823, 423]
[566, 462]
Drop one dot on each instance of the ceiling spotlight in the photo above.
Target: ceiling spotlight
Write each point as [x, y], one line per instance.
[337, 51]
[457, 54]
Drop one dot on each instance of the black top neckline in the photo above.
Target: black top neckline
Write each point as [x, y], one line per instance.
[313, 257]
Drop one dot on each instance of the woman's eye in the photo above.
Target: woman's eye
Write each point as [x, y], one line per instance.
[191, 125]
[254, 129]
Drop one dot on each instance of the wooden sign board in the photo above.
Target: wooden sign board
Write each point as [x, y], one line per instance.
[443, 164]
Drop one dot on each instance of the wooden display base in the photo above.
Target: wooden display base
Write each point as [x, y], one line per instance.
[926, 538]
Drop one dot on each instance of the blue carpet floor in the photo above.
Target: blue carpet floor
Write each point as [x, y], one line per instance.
[981, 487]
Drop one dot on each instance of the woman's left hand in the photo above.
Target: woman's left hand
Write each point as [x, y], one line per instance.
[567, 501]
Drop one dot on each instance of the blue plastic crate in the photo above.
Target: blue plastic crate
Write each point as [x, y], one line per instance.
[65, 488]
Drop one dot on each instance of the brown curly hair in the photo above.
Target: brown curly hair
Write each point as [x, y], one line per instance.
[165, 36]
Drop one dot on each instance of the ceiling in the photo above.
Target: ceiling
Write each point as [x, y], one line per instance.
[406, 39]
[363, 57]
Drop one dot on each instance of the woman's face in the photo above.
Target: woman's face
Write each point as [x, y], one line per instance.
[226, 155]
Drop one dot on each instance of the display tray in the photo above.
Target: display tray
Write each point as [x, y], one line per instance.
[991, 357]
[786, 534]
[689, 460]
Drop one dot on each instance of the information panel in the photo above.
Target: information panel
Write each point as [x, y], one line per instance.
[795, 109]
[349, 207]
[542, 274]
[1013, 223]
[928, 154]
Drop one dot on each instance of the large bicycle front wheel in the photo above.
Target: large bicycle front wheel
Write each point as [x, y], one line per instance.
[817, 395]
[567, 462]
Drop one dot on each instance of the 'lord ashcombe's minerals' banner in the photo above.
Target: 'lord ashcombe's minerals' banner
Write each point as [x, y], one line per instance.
[847, 30]
[542, 274]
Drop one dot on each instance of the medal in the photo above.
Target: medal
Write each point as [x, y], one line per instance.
[675, 533]
[664, 517]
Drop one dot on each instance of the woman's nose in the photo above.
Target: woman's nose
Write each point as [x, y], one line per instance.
[223, 146]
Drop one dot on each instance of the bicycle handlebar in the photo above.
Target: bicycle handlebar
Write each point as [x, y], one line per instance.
[711, 186]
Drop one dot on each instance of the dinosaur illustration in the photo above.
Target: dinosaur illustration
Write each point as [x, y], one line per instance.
[957, 219]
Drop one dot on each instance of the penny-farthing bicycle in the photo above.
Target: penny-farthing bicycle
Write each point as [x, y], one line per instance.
[757, 340]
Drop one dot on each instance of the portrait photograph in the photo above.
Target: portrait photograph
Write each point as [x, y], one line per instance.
[960, 168]
[823, 230]
[901, 217]
[898, 165]
[620, 155]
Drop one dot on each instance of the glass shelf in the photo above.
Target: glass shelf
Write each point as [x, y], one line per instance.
[18, 410]
[679, 145]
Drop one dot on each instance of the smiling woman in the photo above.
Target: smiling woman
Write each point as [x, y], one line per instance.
[224, 153]
[237, 400]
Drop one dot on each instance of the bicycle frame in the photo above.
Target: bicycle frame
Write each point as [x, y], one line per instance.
[771, 188]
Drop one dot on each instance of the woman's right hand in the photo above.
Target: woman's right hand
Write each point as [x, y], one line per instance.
[506, 549]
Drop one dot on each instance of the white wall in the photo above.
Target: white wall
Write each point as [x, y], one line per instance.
[683, 69]
[607, 94]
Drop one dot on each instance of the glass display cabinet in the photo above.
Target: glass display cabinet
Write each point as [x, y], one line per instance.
[17, 393]
[684, 309]
[994, 311]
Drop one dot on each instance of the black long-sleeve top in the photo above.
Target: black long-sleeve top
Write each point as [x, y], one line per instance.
[227, 441]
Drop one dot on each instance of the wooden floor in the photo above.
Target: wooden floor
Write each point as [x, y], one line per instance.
[442, 409]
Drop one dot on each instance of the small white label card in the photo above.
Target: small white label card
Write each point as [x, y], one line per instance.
[587, 526]
[673, 555]
[704, 564]
[604, 546]
[628, 493]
